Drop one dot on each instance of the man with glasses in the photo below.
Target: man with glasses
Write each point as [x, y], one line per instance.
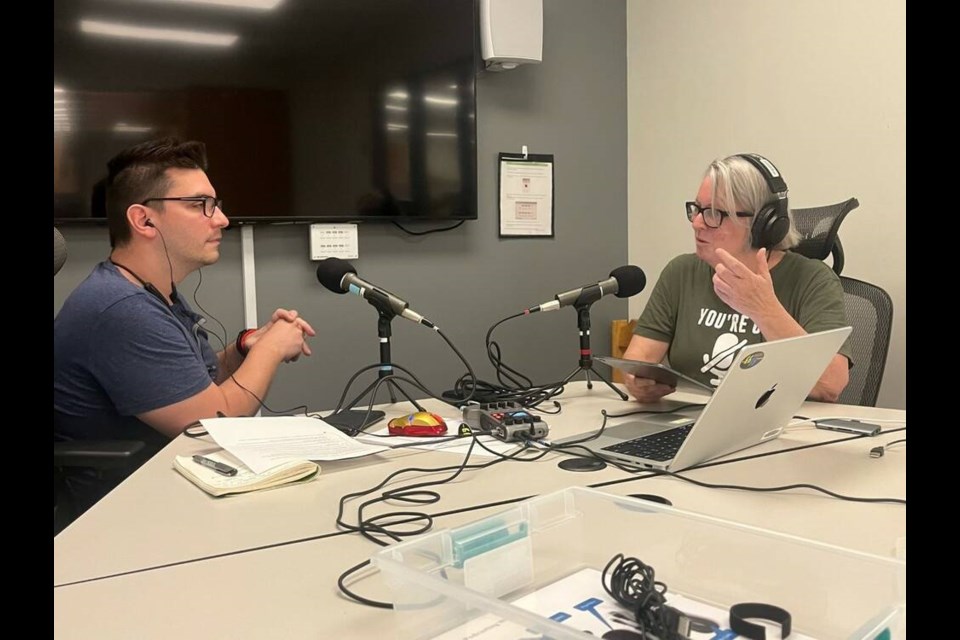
[131, 359]
[741, 286]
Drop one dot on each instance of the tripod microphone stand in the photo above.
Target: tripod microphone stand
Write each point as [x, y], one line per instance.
[386, 314]
[586, 355]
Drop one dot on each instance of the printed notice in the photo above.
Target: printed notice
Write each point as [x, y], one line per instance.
[526, 195]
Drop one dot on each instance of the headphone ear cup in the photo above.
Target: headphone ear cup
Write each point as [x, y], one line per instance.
[770, 226]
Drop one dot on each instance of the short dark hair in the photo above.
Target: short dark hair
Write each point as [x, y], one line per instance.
[138, 173]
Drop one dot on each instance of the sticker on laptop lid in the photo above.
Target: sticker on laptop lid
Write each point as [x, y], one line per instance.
[751, 360]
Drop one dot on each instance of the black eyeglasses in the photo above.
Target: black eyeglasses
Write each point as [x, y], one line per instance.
[207, 204]
[713, 218]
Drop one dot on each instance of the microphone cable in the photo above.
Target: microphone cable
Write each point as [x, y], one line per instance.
[386, 524]
[470, 375]
[634, 469]
[374, 388]
[513, 385]
[521, 381]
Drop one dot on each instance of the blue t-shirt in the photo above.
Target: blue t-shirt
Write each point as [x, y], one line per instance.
[119, 351]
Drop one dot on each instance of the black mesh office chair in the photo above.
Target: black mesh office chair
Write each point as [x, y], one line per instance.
[818, 227]
[869, 308]
[94, 456]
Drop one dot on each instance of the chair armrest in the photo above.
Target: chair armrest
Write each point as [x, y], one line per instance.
[96, 454]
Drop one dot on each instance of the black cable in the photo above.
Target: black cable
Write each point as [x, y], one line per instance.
[401, 494]
[681, 407]
[222, 340]
[215, 556]
[578, 444]
[657, 472]
[263, 405]
[423, 233]
[486, 392]
[470, 374]
[173, 287]
[633, 584]
[375, 387]
[648, 473]
[342, 585]
[799, 485]
[385, 525]
[493, 354]
[513, 385]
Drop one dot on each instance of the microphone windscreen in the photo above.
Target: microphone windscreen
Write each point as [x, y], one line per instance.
[59, 250]
[330, 273]
[630, 280]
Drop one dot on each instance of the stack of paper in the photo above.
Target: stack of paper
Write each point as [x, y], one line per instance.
[268, 452]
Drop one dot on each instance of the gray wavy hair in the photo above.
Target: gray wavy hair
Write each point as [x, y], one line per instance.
[737, 181]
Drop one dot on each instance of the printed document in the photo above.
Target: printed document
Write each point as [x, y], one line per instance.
[262, 443]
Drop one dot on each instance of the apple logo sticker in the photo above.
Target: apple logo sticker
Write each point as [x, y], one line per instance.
[766, 396]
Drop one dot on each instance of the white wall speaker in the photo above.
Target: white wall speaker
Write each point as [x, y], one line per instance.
[511, 33]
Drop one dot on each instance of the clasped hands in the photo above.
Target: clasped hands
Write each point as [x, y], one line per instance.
[286, 332]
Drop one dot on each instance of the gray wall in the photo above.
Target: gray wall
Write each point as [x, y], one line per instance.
[573, 105]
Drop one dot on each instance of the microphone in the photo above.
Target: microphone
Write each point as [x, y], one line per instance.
[339, 276]
[623, 282]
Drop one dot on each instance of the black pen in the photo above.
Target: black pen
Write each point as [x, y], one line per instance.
[219, 467]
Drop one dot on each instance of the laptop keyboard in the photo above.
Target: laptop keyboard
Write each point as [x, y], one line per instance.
[658, 446]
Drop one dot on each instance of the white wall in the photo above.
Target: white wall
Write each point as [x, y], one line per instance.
[818, 86]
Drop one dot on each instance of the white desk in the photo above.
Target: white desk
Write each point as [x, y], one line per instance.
[156, 518]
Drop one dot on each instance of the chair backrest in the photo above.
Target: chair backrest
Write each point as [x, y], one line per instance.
[869, 308]
[59, 250]
[818, 227]
[100, 458]
[870, 313]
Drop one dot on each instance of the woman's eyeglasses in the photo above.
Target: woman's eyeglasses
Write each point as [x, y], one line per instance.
[713, 218]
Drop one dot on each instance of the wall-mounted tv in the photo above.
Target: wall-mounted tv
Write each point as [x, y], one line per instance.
[311, 110]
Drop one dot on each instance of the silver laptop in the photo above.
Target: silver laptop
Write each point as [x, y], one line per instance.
[762, 390]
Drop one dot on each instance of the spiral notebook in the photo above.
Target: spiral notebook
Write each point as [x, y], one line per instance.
[245, 479]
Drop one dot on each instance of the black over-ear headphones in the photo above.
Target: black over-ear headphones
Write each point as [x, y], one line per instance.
[772, 223]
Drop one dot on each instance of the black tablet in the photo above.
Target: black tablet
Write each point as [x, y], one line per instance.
[659, 372]
[352, 421]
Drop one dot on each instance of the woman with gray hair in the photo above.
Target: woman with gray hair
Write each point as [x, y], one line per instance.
[741, 286]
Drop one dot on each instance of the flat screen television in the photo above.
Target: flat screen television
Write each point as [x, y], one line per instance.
[311, 110]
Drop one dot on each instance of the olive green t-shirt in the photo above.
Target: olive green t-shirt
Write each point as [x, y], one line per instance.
[705, 334]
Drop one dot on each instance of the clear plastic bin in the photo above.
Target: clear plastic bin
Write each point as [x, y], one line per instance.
[463, 583]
